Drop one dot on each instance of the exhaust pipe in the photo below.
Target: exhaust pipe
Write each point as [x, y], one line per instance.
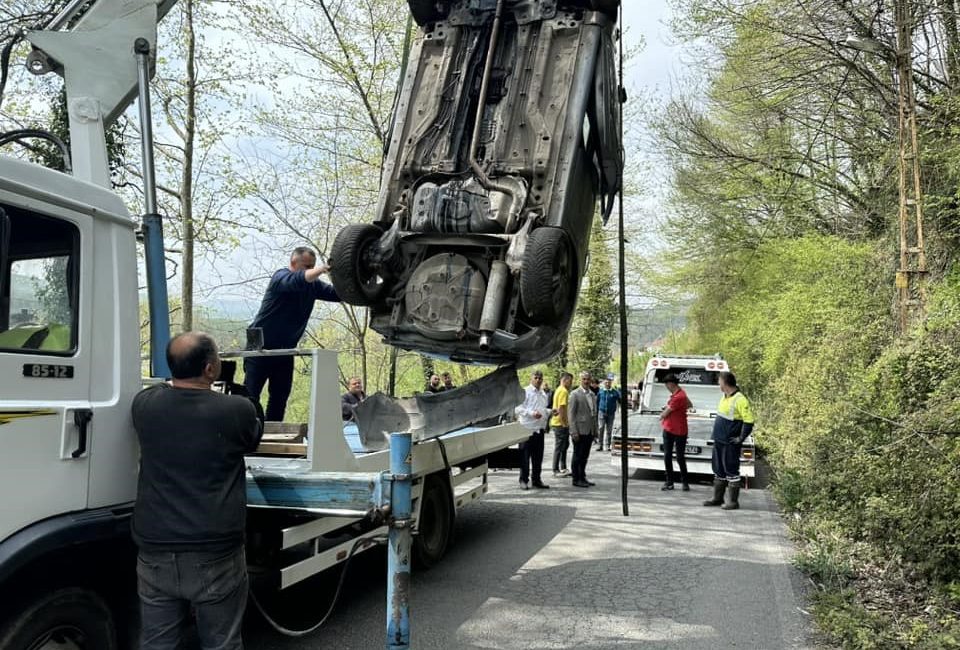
[493, 302]
[481, 175]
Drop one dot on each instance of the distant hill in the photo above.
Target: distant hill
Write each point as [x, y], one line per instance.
[649, 324]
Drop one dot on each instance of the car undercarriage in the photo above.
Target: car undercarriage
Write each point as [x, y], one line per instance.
[504, 146]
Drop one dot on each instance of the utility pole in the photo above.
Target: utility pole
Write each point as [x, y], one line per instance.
[911, 277]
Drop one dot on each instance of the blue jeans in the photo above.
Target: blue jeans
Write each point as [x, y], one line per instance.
[257, 371]
[213, 584]
[605, 433]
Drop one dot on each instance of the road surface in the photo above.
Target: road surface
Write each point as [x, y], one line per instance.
[562, 568]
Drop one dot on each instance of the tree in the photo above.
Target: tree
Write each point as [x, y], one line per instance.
[328, 123]
[51, 291]
[199, 91]
[595, 322]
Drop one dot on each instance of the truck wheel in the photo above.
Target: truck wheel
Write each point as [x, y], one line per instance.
[351, 266]
[427, 11]
[435, 522]
[547, 281]
[67, 619]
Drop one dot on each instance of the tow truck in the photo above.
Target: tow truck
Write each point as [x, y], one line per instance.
[70, 365]
[699, 377]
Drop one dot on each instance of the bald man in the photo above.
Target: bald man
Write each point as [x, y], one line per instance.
[190, 514]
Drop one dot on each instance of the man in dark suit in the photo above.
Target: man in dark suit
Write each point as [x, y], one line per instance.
[583, 428]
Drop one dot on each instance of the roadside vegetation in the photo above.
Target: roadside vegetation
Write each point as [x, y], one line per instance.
[784, 227]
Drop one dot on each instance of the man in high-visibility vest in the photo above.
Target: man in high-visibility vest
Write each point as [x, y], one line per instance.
[733, 424]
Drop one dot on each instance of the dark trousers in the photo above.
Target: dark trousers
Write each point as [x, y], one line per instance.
[581, 452]
[532, 451]
[278, 371]
[213, 584]
[561, 437]
[669, 442]
[726, 461]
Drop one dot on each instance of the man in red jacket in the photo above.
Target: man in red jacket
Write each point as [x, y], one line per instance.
[673, 419]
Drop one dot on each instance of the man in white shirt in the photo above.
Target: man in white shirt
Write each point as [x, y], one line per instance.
[533, 415]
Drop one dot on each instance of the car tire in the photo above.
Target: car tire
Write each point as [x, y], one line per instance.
[547, 281]
[353, 278]
[72, 618]
[435, 523]
[427, 11]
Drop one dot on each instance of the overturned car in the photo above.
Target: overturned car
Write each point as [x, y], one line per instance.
[504, 145]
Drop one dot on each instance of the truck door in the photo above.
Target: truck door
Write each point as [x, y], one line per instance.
[46, 424]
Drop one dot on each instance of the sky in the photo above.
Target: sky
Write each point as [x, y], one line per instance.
[661, 60]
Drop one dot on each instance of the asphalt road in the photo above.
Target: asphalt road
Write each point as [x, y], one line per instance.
[562, 568]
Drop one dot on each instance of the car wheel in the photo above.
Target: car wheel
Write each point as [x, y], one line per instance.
[435, 522]
[547, 281]
[351, 266]
[67, 619]
[427, 11]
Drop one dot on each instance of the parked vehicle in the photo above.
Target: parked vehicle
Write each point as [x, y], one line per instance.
[699, 377]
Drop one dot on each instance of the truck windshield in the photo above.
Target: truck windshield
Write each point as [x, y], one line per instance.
[689, 376]
[701, 386]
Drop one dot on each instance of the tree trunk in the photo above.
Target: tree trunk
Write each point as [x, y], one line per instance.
[392, 381]
[186, 184]
[948, 18]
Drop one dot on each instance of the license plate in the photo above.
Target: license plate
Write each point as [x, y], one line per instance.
[47, 371]
[690, 449]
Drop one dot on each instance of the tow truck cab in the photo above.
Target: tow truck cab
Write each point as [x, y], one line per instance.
[69, 367]
[699, 377]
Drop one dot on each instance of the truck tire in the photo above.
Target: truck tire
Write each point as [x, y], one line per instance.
[350, 265]
[66, 619]
[427, 11]
[547, 280]
[435, 523]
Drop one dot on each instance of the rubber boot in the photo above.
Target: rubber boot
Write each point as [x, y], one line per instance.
[731, 500]
[719, 485]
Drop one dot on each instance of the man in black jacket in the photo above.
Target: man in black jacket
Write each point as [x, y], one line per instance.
[190, 514]
[283, 317]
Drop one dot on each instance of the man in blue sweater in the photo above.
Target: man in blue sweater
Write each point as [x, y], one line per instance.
[283, 317]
